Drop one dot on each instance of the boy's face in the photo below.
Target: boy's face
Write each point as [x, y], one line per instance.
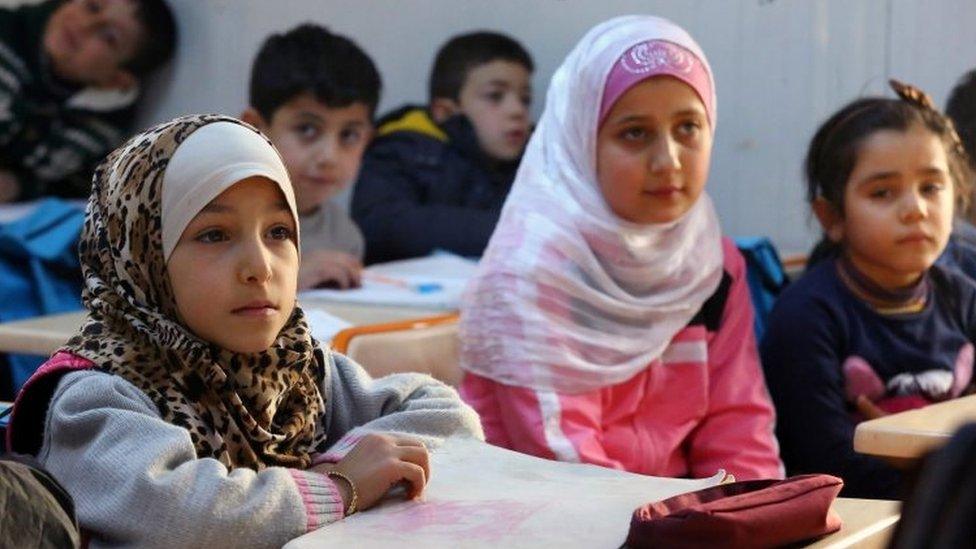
[496, 97]
[322, 147]
[234, 271]
[88, 41]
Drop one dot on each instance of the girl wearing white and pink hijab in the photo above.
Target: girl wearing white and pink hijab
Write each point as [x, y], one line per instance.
[610, 321]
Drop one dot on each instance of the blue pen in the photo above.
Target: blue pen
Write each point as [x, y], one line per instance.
[421, 288]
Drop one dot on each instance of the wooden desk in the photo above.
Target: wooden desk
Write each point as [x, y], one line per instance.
[38, 336]
[43, 335]
[913, 433]
[485, 496]
[868, 524]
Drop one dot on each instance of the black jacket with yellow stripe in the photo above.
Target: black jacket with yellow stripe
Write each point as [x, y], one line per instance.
[426, 187]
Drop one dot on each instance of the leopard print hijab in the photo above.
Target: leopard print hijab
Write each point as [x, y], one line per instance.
[245, 410]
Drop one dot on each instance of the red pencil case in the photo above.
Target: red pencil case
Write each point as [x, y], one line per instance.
[753, 514]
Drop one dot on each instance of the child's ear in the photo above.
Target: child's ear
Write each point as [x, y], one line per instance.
[254, 118]
[442, 108]
[829, 218]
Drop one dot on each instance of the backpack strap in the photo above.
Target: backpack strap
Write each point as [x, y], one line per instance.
[25, 433]
[711, 311]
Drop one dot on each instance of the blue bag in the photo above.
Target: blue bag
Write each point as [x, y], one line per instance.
[39, 272]
[765, 275]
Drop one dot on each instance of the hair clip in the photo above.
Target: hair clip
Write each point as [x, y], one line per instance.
[917, 97]
[912, 94]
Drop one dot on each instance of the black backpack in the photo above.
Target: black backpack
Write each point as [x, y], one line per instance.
[36, 510]
[941, 511]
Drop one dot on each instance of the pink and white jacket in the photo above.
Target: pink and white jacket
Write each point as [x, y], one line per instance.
[701, 407]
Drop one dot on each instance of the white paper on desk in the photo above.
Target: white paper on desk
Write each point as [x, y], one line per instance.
[439, 265]
[449, 271]
[484, 496]
[323, 325]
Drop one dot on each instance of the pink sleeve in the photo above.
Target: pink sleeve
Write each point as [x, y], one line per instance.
[540, 423]
[737, 432]
[320, 497]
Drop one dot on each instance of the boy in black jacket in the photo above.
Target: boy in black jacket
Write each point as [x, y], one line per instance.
[436, 178]
[69, 79]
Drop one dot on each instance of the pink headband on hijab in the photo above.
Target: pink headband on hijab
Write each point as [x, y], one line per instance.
[656, 58]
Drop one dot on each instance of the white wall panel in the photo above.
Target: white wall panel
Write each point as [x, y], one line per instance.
[781, 67]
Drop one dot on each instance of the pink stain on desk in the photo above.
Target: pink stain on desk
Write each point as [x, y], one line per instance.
[485, 521]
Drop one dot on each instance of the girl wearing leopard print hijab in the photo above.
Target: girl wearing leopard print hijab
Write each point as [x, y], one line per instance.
[193, 407]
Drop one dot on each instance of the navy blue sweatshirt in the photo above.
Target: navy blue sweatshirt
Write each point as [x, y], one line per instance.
[424, 187]
[816, 324]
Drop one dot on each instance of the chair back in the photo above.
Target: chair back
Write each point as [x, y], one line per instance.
[425, 345]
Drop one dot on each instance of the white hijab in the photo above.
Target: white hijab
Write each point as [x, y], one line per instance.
[210, 161]
[569, 297]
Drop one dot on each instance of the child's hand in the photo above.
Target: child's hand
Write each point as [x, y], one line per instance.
[9, 187]
[869, 409]
[321, 267]
[378, 463]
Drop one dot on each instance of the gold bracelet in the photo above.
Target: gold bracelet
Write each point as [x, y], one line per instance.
[355, 495]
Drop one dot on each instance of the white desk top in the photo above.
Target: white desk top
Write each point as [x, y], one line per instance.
[913, 433]
[43, 335]
[868, 524]
[484, 496]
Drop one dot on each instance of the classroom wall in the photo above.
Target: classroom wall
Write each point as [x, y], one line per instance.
[781, 67]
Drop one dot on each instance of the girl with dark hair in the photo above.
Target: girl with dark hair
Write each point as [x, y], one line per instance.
[877, 326]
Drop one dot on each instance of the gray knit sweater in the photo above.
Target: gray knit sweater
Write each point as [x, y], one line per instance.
[136, 480]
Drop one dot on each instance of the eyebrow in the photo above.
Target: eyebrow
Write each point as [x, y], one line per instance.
[321, 120]
[881, 176]
[310, 114]
[641, 117]
[502, 83]
[218, 208]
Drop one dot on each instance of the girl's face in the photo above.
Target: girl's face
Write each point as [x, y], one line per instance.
[898, 206]
[653, 151]
[234, 270]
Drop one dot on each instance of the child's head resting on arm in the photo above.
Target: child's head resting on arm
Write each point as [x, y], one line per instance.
[190, 258]
[607, 245]
[109, 44]
[884, 177]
